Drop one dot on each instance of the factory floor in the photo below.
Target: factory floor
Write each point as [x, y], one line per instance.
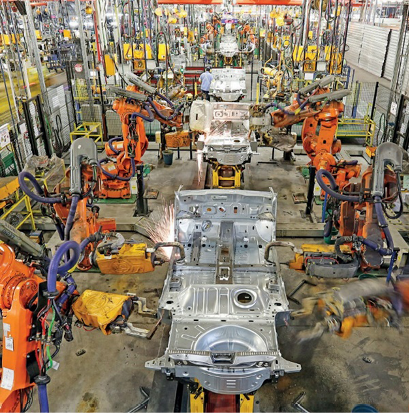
[100, 373]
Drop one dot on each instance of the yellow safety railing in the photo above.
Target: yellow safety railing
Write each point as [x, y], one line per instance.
[27, 213]
[91, 130]
[357, 128]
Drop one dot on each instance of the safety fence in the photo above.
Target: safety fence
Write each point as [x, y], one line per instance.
[369, 102]
[42, 128]
[373, 48]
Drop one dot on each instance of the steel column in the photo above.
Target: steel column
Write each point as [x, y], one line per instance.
[84, 56]
[399, 55]
[310, 196]
[32, 36]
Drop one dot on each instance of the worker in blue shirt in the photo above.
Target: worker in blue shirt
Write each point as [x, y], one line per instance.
[205, 79]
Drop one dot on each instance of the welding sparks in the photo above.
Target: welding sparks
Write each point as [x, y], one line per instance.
[161, 229]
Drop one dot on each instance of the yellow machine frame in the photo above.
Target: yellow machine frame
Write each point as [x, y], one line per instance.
[87, 130]
[217, 179]
[357, 127]
[197, 401]
[9, 188]
[298, 262]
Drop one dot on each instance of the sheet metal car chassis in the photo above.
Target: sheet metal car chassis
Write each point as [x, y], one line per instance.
[226, 298]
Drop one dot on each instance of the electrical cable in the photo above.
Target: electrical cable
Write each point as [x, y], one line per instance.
[399, 195]
[49, 339]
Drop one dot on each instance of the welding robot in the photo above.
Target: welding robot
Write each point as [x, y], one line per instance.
[319, 109]
[135, 104]
[248, 41]
[38, 299]
[77, 218]
[70, 205]
[359, 212]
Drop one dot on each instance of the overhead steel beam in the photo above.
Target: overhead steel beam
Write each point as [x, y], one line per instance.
[190, 2]
[85, 58]
[245, 2]
[279, 3]
[30, 35]
[268, 3]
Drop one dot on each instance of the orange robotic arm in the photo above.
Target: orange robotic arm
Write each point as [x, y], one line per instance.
[24, 346]
[320, 112]
[134, 105]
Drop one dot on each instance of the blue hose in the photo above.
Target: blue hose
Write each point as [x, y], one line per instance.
[36, 197]
[60, 230]
[85, 242]
[116, 139]
[168, 101]
[43, 398]
[276, 105]
[120, 178]
[383, 223]
[68, 292]
[330, 190]
[360, 408]
[55, 268]
[151, 115]
[390, 269]
[176, 112]
[71, 216]
[328, 228]
[149, 118]
[301, 104]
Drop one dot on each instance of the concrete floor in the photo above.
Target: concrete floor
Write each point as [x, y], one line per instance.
[335, 377]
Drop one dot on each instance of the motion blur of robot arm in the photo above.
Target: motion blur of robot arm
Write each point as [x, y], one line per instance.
[361, 303]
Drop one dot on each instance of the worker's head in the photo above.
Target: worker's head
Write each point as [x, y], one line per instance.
[207, 69]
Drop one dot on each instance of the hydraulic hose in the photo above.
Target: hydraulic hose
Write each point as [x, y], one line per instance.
[276, 105]
[68, 292]
[177, 110]
[328, 228]
[383, 223]
[270, 105]
[331, 190]
[302, 104]
[36, 197]
[60, 230]
[149, 118]
[55, 268]
[43, 398]
[111, 141]
[120, 178]
[371, 244]
[85, 242]
[71, 215]
[168, 101]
